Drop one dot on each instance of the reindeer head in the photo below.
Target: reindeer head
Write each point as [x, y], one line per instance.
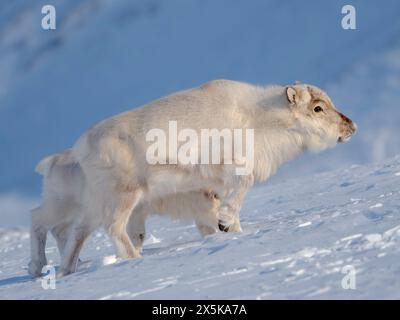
[317, 118]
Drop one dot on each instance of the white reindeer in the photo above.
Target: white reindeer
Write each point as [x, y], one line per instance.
[113, 184]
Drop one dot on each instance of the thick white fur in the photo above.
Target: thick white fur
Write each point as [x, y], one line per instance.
[119, 182]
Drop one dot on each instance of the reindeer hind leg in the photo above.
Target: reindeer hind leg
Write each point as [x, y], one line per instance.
[38, 236]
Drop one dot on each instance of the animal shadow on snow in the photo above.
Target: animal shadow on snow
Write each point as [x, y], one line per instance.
[15, 280]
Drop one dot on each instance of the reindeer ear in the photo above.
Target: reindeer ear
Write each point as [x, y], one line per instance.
[291, 95]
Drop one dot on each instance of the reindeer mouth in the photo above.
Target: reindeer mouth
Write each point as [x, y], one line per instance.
[350, 132]
[344, 139]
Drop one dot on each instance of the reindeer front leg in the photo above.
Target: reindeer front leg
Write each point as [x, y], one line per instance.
[229, 211]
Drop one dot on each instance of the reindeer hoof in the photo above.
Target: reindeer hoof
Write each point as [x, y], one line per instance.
[35, 268]
[223, 227]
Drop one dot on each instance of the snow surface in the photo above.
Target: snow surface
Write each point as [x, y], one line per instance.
[298, 236]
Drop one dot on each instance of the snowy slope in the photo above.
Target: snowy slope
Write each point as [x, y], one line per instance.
[298, 235]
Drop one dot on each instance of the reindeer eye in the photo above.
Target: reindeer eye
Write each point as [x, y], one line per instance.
[318, 109]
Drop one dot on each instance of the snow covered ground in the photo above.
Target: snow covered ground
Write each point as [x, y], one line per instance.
[299, 235]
